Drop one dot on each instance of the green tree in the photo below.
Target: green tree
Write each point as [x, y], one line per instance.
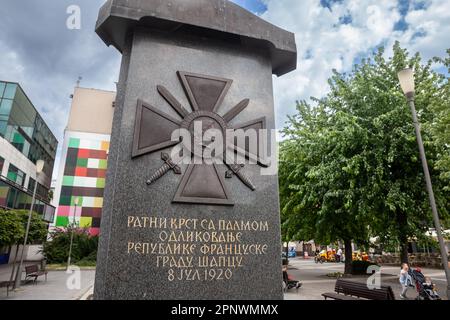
[38, 231]
[350, 168]
[440, 129]
[11, 228]
[13, 225]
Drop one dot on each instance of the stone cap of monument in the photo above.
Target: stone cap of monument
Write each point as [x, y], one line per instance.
[117, 17]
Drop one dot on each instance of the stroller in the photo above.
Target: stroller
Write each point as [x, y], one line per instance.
[425, 289]
[289, 283]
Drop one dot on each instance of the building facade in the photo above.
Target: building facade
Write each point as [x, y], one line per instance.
[24, 139]
[82, 171]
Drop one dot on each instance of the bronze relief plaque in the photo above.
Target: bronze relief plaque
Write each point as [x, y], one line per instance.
[201, 183]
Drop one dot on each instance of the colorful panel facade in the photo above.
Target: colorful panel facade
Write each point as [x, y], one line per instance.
[83, 181]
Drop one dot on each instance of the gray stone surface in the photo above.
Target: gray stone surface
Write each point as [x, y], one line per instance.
[152, 58]
[117, 17]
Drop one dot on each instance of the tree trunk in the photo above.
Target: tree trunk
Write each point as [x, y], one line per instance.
[348, 256]
[402, 222]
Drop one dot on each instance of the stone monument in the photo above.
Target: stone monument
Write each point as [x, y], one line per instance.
[173, 229]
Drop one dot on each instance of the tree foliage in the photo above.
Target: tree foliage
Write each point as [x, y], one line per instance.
[13, 225]
[350, 167]
[11, 228]
[84, 246]
[38, 228]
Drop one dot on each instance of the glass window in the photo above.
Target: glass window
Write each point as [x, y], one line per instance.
[2, 162]
[49, 213]
[11, 200]
[3, 125]
[2, 88]
[10, 91]
[16, 175]
[31, 183]
[5, 107]
[42, 191]
[23, 201]
[4, 191]
[18, 139]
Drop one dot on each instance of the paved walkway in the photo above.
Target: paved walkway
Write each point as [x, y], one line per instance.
[59, 286]
[315, 280]
[313, 276]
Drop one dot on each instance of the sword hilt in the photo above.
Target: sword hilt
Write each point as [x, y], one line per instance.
[236, 169]
[159, 173]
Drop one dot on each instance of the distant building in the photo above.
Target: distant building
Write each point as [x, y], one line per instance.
[24, 139]
[84, 158]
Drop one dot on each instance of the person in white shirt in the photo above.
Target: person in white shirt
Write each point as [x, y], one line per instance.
[405, 280]
[339, 255]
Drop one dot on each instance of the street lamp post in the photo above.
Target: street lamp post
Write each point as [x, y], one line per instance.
[75, 202]
[406, 78]
[39, 168]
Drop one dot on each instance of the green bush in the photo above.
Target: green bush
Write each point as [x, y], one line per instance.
[84, 248]
[360, 267]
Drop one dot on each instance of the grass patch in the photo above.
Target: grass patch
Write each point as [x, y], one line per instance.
[335, 275]
[63, 266]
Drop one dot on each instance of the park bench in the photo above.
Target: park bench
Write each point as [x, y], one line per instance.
[33, 272]
[8, 285]
[352, 290]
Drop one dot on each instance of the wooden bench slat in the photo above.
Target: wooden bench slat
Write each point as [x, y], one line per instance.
[360, 290]
[337, 296]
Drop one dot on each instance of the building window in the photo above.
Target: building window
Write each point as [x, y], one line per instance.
[41, 191]
[15, 175]
[5, 110]
[10, 91]
[2, 162]
[24, 128]
[2, 88]
[31, 183]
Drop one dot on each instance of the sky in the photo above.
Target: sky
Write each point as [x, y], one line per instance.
[46, 58]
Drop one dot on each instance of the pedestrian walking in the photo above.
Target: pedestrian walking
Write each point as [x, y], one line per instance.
[339, 255]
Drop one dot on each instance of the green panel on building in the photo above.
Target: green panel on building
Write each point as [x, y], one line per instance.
[74, 143]
[82, 163]
[62, 221]
[101, 183]
[103, 164]
[68, 181]
[64, 200]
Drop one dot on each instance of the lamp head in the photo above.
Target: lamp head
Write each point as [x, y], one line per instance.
[406, 78]
[39, 166]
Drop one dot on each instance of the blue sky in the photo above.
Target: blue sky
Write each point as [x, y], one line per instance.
[256, 6]
[46, 58]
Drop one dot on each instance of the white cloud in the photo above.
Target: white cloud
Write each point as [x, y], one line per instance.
[325, 42]
[429, 29]
[11, 66]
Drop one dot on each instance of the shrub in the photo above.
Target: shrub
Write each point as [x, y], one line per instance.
[360, 267]
[84, 247]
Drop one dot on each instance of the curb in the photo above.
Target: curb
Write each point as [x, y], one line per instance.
[88, 293]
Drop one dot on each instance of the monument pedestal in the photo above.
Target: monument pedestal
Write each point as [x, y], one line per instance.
[172, 230]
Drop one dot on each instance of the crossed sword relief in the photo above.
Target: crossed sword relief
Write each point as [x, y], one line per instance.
[153, 132]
